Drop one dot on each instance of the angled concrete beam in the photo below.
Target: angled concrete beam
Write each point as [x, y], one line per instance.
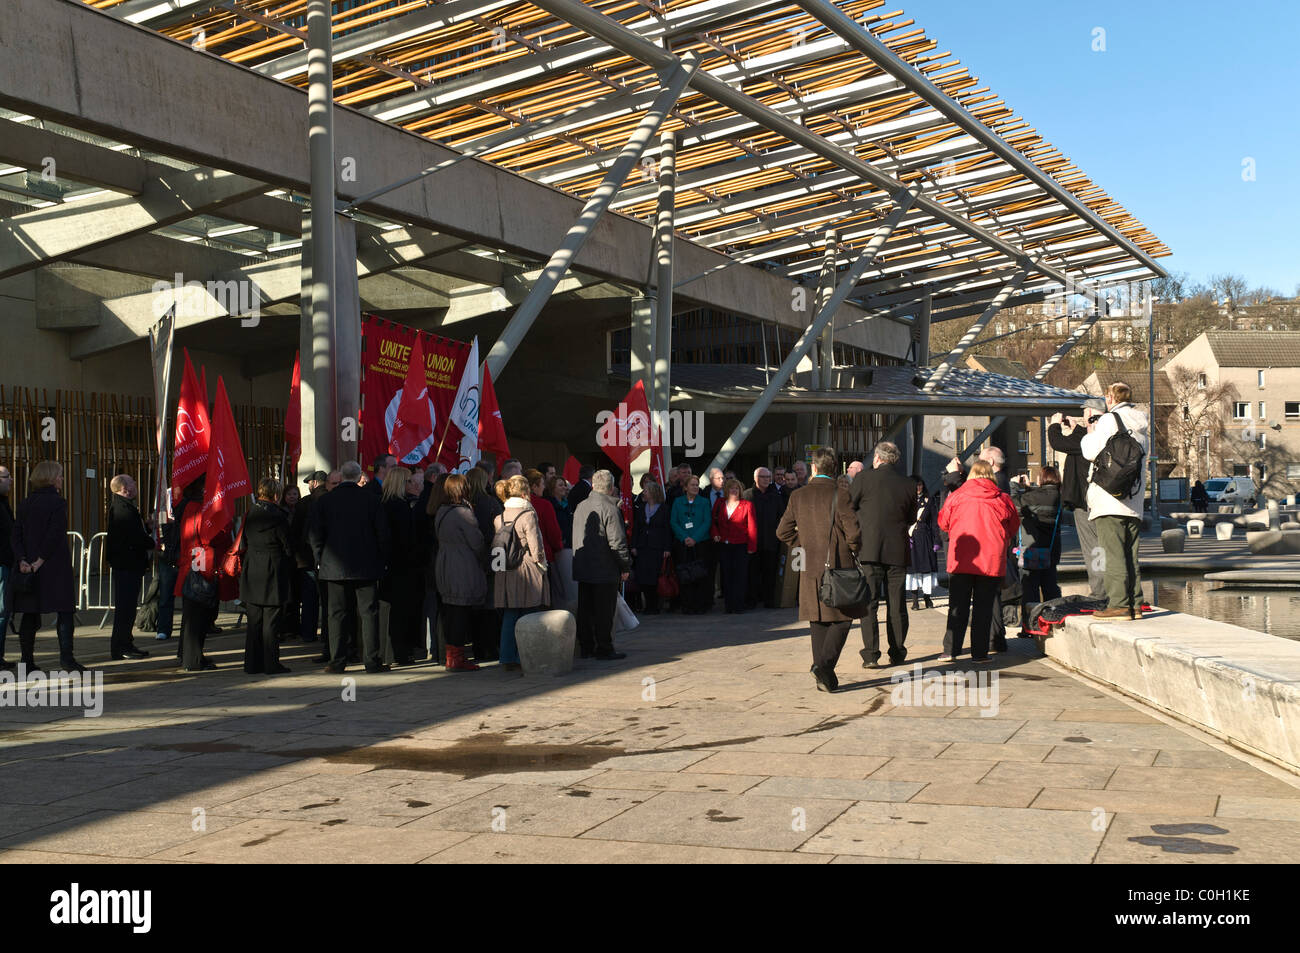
[255, 285]
[946, 366]
[59, 231]
[675, 83]
[903, 200]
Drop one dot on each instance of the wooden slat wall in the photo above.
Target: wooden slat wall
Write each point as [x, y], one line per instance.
[108, 434]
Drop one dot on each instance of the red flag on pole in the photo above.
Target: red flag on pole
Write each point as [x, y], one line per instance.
[414, 423]
[491, 428]
[572, 467]
[293, 417]
[227, 473]
[193, 433]
[629, 431]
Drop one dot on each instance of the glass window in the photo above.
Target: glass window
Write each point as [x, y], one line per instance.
[1261, 378]
[1262, 415]
[1241, 410]
[1024, 441]
[1200, 381]
[1292, 408]
[961, 440]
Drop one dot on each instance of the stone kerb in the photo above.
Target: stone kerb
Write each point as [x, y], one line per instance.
[1240, 685]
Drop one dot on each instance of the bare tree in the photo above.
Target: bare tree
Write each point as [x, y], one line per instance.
[1172, 287]
[1200, 411]
[1230, 290]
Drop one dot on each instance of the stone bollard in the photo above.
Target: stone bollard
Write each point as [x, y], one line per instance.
[1223, 531]
[547, 642]
[1195, 529]
[1274, 515]
[1290, 527]
[1173, 540]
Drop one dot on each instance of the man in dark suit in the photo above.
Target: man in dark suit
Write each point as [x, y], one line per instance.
[884, 500]
[769, 507]
[582, 489]
[601, 559]
[383, 463]
[350, 540]
[127, 550]
[6, 564]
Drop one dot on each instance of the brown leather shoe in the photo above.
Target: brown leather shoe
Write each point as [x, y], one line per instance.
[1123, 612]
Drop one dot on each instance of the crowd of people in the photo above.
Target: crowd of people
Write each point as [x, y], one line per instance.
[395, 567]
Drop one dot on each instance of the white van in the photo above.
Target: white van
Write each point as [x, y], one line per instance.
[1231, 491]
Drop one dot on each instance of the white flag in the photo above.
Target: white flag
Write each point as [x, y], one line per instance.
[464, 411]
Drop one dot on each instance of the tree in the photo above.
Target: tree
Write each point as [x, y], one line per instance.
[1230, 290]
[1173, 287]
[1199, 412]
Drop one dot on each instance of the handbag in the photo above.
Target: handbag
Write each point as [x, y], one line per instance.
[667, 586]
[841, 588]
[232, 564]
[1035, 558]
[691, 572]
[23, 583]
[199, 588]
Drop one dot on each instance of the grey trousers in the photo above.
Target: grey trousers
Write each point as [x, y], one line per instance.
[1091, 550]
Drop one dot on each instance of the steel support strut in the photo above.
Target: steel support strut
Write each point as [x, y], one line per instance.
[674, 85]
[661, 398]
[968, 339]
[902, 202]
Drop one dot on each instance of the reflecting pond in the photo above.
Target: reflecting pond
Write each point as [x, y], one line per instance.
[1275, 611]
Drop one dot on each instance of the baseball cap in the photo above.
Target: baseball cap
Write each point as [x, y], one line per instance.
[318, 475]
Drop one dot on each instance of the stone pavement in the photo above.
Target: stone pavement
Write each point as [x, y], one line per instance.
[707, 744]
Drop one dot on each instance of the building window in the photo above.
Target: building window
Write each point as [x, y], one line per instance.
[1241, 410]
[1292, 408]
[1261, 378]
[1262, 415]
[997, 328]
[1024, 441]
[1200, 382]
[961, 440]
[1293, 471]
[1058, 326]
[1263, 441]
[1241, 469]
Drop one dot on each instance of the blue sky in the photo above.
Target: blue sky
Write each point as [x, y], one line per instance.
[1163, 118]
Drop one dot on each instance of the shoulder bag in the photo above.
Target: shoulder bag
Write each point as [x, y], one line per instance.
[1040, 557]
[841, 588]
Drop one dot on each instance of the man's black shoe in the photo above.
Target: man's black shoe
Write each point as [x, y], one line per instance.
[8, 666]
[335, 669]
[374, 669]
[826, 681]
[134, 652]
[609, 656]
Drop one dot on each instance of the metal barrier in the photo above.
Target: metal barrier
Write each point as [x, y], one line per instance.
[77, 543]
[98, 576]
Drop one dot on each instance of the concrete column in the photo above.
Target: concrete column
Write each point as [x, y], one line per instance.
[320, 442]
[663, 335]
[643, 340]
[347, 337]
[826, 346]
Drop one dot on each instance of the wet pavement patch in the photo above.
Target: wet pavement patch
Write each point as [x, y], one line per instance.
[480, 754]
[1172, 839]
[719, 817]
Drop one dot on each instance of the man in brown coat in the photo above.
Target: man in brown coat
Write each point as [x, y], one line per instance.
[806, 528]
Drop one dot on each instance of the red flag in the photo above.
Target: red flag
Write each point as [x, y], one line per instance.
[227, 470]
[657, 465]
[572, 467]
[625, 498]
[491, 428]
[193, 433]
[293, 417]
[414, 423]
[629, 431]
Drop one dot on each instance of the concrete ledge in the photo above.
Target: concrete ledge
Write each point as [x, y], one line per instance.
[1239, 685]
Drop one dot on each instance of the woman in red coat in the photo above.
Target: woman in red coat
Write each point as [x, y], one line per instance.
[735, 533]
[980, 521]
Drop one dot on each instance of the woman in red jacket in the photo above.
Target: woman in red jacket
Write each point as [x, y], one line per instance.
[735, 533]
[980, 521]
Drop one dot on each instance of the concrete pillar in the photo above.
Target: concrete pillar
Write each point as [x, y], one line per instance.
[347, 337]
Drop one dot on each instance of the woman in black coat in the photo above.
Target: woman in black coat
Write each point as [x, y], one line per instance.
[652, 536]
[1040, 514]
[40, 541]
[923, 540]
[401, 590]
[266, 583]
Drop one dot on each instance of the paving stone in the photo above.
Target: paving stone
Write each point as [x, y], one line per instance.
[869, 789]
[788, 765]
[1052, 775]
[1278, 809]
[934, 769]
[376, 799]
[115, 833]
[976, 751]
[284, 841]
[1100, 754]
[1116, 715]
[529, 849]
[1258, 783]
[1139, 802]
[719, 820]
[673, 781]
[1165, 839]
[983, 793]
[534, 809]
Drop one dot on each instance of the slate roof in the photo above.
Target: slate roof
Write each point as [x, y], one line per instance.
[1255, 348]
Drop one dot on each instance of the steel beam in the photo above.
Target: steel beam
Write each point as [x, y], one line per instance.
[676, 81]
[968, 339]
[903, 200]
[826, 288]
[916, 81]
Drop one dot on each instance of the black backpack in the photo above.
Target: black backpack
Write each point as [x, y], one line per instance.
[1118, 468]
[505, 540]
